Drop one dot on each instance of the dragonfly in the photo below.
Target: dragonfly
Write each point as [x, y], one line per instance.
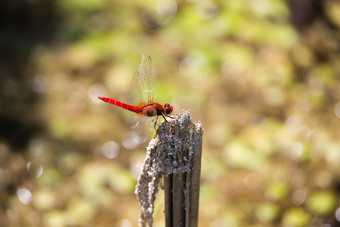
[146, 107]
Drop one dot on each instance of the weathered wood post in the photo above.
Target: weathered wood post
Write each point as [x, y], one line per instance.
[175, 154]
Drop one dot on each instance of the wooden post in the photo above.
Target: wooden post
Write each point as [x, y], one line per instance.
[174, 153]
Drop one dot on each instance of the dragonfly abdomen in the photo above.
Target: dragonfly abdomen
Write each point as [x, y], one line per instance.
[132, 108]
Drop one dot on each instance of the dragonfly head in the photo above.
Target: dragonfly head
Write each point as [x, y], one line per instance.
[167, 108]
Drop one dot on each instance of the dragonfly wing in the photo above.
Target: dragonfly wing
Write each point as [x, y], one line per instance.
[143, 126]
[144, 77]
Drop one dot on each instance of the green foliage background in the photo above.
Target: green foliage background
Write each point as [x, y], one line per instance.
[266, 93]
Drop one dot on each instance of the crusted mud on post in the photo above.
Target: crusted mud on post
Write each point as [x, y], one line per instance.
[175, 153]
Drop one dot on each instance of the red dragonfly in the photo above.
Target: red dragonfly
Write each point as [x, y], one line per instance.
[146, 106]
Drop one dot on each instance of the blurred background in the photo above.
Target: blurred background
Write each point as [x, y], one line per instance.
[262, 76]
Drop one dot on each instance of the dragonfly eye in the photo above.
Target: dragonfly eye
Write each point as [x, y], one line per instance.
[167, 108]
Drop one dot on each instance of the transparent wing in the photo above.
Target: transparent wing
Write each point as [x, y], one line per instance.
[138, 125]
[143, 127]
[144, 78]
[142, 93]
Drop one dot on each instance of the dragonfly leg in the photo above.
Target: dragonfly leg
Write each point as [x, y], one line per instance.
[169, 116]
[164, 117]
[155, 122]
